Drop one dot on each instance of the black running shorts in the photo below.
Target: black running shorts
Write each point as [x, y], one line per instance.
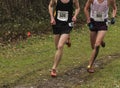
[63, 29]
[98, 26]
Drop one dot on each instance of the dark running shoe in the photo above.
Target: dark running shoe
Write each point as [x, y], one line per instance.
[68, 44]
[103, 44]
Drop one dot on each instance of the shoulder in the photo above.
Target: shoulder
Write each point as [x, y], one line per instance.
[75, 1]
[54, 1]
[90, 1]
[111, 2]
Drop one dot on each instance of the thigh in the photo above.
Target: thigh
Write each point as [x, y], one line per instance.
[100, 37]
[63, 39]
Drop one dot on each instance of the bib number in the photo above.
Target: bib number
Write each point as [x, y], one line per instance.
[62, 15]
[99, 16]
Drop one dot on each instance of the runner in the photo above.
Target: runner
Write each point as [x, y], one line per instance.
[62, 21]
[96, 20]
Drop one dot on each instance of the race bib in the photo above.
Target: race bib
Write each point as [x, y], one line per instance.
[62, 15]
[99, 16]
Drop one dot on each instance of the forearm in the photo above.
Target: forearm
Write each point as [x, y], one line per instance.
[51, 12]
[114, 12]
[76, 12]
[113, 4]
[86, 10]
[50, 8]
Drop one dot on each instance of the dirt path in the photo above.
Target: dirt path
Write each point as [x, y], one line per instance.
[76, 76]
[73, 77]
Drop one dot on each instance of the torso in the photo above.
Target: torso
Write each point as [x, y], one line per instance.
[99, 9]
[63, 16]
[100, 1]
[63, 1]
[64, 10]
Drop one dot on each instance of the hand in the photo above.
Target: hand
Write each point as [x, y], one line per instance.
[90, 25]
[53, 22]
[112, 20]
[74, 19]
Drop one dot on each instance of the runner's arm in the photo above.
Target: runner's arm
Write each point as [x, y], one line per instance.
[50, 8]
[113, 3]
[86, 10]
[77, 10]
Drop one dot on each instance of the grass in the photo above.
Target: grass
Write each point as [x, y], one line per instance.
[28, 61]
[105, 78]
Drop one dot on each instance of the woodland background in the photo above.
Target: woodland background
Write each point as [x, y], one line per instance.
[18, 17]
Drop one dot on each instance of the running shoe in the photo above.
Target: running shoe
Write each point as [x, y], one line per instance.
[103, 44]
[90, 69]
[68, 44]
[53, 73]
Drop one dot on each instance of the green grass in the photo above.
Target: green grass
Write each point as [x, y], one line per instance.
[105, 78]
[28, 61]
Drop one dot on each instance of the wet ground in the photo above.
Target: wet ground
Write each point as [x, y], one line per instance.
[72, 77]
[76, 76]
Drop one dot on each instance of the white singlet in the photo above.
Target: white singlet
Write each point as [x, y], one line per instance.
[99, 11]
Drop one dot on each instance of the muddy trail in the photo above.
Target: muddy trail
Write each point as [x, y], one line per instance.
[76, 76]
[73, 77]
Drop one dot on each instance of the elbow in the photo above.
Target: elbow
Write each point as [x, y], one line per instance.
[85, 10]
[48, 6]
[115, 8]
[78, 9]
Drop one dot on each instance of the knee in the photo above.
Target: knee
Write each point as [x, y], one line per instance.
[96, 47]
[60, 47]
[97, 44]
